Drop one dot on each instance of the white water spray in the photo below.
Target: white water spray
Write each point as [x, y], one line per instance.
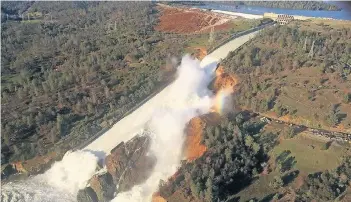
[59, 184]
[182, 102]
[189, 97]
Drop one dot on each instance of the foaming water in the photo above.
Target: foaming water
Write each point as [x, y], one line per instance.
[186, 98]
[172, 107]
[189, 97]
[60, 183]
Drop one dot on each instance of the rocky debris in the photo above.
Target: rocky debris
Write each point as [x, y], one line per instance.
[7, 171]
[19, 167]
[224, 81]
[34, 166]
[103, 186]
[86, 195]
[128, 164]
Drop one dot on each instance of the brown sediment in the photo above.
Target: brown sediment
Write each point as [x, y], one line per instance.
[224, 80]
[157, 198]
[35, 165]
[201, 52]
[193, 147]
[302, 121]
[188, 21]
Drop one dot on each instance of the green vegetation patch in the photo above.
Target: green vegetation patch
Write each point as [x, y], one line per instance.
[299, 71]
[308, 153]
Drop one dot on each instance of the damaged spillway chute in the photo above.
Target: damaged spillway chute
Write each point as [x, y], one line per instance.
[166, 115]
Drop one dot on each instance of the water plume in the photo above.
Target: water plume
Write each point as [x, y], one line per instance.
[188, 97]
[222, 101]
[60, 183]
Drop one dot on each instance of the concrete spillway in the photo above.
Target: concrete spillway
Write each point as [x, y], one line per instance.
[166, 114]
[130, 125]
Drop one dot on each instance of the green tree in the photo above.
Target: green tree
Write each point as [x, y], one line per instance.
[60, 124]
[347, 98]
[228, 154]
[289, 132]
[209, 191]
[195, 188]
[277, 182]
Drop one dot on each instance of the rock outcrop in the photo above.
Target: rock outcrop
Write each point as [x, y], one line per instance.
[128, 164]
[87, 195]
[103, 186]
[7, 171]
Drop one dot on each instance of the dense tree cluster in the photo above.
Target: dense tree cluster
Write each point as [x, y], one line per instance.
[232, 159]
[15, 8]
[328, 185]
[78, 70]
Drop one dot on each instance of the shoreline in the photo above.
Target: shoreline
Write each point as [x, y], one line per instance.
[244, 15]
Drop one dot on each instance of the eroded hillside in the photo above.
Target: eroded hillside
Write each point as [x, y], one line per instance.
[187, 21]
[292, 157]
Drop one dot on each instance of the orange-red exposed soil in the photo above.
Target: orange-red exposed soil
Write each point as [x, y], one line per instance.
[187, 21]
[224, 80]
[201, 52]
[193, 147]
[157, 198]
[34, 165]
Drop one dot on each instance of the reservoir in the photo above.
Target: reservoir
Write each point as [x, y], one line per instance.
[343, 14]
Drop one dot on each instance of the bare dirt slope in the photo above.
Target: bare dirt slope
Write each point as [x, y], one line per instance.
[187, 21]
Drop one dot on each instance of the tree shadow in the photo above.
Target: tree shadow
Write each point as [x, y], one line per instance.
[341, 117]
[268, 198]
[241, 183]
[235, 199]
[328, 144]
[288, 163]
[300, 129]
[289, 177]
[285, 161]
[282, 156]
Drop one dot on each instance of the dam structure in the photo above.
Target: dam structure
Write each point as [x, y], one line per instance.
[175, 105]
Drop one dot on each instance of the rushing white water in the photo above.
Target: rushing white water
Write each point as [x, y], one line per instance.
[188, 98]
[166, 115]
[60, 183]
[185, 98]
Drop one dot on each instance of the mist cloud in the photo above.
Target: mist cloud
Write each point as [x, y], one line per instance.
[188, 97]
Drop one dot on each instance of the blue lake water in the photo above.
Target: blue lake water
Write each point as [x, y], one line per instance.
[344, 14]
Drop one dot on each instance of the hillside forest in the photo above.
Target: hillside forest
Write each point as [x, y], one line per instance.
[300, 73]
[76, 70]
